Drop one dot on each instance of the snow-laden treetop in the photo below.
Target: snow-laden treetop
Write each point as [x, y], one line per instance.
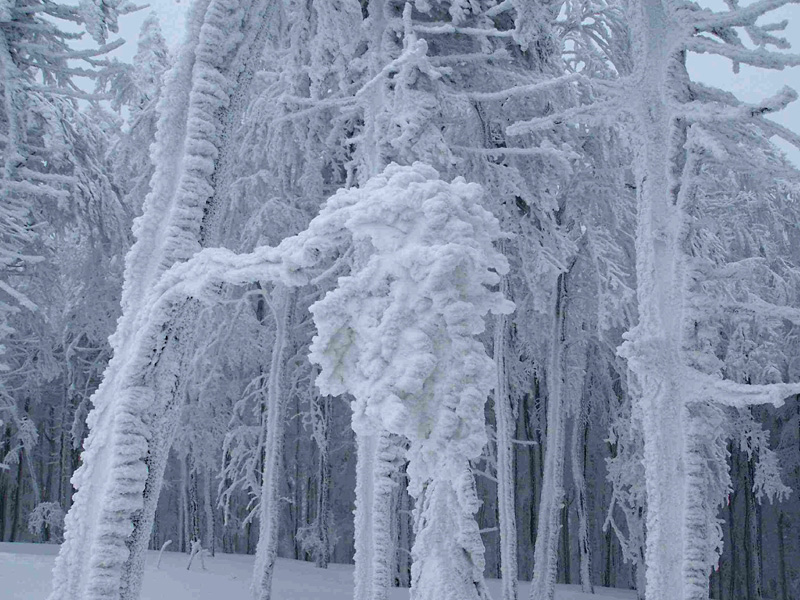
[398, 332]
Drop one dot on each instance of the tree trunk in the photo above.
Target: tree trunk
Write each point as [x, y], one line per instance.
[208, 505]
[445, 565]
[579, 430]
[505, 462]
[374, 556]
[405, 527]
[782, 580]
[566, 550]
[17, 504]
[184, 537]
[323, 522]
[545, 559]
[752, 545]
[269, 512]
[652, 349]
[160, 444]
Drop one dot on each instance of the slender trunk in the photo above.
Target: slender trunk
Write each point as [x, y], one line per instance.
[267, 549]
[552, 498]
[194, 503]
[566, 551]
[579, 431]
[733, 541]
[752, 546]
[17, 504]
[406, 528]
[641, 579]
[208, 506]
[3, 503]
[65, 454]
[323, 488]
[183, 511]
[535, 467]
[782, 580]
[505, 462]
[374, 556]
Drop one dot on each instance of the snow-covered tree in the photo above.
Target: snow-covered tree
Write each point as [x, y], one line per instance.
[135, 406]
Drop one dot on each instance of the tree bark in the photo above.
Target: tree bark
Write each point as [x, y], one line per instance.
[374, 547]
[579, 429]
[552, 497]
[269, 511]
[505, 461]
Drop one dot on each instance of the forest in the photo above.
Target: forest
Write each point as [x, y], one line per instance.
[450, 290]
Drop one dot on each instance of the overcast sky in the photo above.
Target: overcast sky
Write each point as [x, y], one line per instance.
[750, 84]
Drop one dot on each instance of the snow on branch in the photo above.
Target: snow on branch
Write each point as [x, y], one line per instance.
[415, 54]
[555, 154]
[730, 393]
[740, 17]
[445, 28]
[780, 131]
[703, 111]
[578, 114]
[758, 57]
[532, 88]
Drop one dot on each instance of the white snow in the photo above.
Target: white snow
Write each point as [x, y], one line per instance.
[25, 575]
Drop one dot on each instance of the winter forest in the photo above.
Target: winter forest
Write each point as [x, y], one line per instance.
[482, 297]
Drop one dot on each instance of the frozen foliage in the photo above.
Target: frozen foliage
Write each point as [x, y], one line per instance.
[422, 259]
[678, 126]
[398, 334]
[47, 521]
[41, 135]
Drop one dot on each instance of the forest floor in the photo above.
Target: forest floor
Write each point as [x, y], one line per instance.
[25, 575]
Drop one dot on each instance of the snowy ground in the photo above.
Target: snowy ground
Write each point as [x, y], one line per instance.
[25, 575]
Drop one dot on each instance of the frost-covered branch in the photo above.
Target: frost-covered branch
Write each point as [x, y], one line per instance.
[731, 393]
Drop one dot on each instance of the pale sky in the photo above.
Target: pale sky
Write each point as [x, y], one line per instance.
[171, 14]
[750, 84]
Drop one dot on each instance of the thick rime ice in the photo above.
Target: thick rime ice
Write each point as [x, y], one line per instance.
[100, 557]
[398, 334]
